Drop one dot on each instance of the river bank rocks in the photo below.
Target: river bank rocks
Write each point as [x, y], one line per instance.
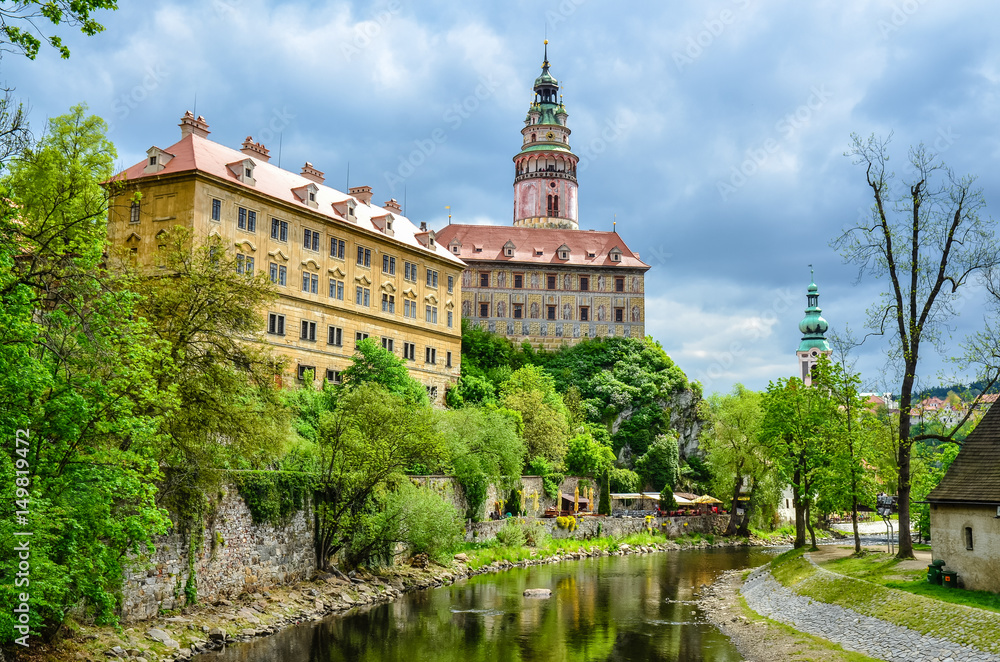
[203, 628]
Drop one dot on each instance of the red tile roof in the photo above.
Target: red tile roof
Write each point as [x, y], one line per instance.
[587, 248]
[194, 153]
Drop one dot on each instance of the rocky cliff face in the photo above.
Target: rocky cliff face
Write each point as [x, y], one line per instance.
[684, 418]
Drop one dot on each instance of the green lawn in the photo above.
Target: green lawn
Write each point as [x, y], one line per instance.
[882, 569]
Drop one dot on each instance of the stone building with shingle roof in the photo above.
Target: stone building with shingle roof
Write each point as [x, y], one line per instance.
[965, 509]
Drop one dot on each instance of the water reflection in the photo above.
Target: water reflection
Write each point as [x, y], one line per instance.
[621, 608]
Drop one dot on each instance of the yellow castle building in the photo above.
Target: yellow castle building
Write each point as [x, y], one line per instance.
[344, 268]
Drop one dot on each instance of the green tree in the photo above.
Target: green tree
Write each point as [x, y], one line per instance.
[371, 364]
[366, 444]
[531, 392]
[229, 411]
[76, 362]
[20, 23]
[927, 238]
[660, 466]
[794, 430]
[484, 449]
[586, 456]
[730, 439]
[604, 505]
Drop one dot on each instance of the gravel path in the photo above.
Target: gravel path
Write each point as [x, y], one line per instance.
[850, 629]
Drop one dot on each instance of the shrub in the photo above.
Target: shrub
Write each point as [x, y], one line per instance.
[511, 534]
[430, 524]
[536, 534]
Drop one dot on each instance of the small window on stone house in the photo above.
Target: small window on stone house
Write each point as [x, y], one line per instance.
[968, 538]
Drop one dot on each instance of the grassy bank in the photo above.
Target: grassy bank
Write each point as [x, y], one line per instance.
[873, 585]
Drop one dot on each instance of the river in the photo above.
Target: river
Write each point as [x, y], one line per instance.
[608, 608]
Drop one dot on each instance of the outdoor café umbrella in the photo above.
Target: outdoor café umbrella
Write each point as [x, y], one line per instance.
[706, 499]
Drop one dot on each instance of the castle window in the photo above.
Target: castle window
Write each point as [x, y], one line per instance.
[518, 310]
[310, 239]
[619, 284]
[584, 314]
[276, 324]
[387, 344]
[619, 314]
[335, 336]
[431, 314]
[447, 360]
[389, 265]
[430, 355]
[134, 213]
[584, 283]
[308, 330]
[359, 336]
[279, 230]
[336, 289]
[451, 318]
[409, 351]
[451, 284]
[550, 312]
[279, 274]
[484, 279]
[337, 248]
[388, 303]
[518, 281]
[216, 209]
[550, 282]
[332, 376]
[553, 202]
[968, 538]
[484, 310]
[310, 283]
[432, 278]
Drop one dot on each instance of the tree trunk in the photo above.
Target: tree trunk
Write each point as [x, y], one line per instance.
[744, 529]
[733, 517]
[903, 460]
[800, 524]
[812, 532]
[854, 520]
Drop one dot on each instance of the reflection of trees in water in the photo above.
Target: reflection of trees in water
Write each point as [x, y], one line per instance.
[601, 609]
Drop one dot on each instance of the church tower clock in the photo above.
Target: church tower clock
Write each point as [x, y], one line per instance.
[545, 187]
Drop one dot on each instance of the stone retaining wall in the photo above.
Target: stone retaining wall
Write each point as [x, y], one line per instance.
[593, 527]
[236, 556]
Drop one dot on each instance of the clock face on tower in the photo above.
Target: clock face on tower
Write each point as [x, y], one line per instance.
[549, 135]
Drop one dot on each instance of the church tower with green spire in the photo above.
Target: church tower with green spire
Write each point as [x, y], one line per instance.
[813, 328]
[545, 187]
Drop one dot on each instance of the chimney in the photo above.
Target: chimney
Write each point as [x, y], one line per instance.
[192, 125]
[393, 205]
[309, 172]
[250, 148]
[362, 193]
[423, 226]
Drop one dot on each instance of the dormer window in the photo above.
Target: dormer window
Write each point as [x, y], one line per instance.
[307, 194]
[509, 248]
[243, 171]
[563, 252]
[615, 254]
[157, 160]
[456, 250]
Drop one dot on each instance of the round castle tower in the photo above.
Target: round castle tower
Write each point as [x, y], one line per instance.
[545, 187]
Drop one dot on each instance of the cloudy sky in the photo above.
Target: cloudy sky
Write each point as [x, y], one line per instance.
[714, 131]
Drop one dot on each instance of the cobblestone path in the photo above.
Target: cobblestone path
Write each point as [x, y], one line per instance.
[854, 631]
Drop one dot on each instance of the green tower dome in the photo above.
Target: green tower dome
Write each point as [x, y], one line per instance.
[813, 326]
